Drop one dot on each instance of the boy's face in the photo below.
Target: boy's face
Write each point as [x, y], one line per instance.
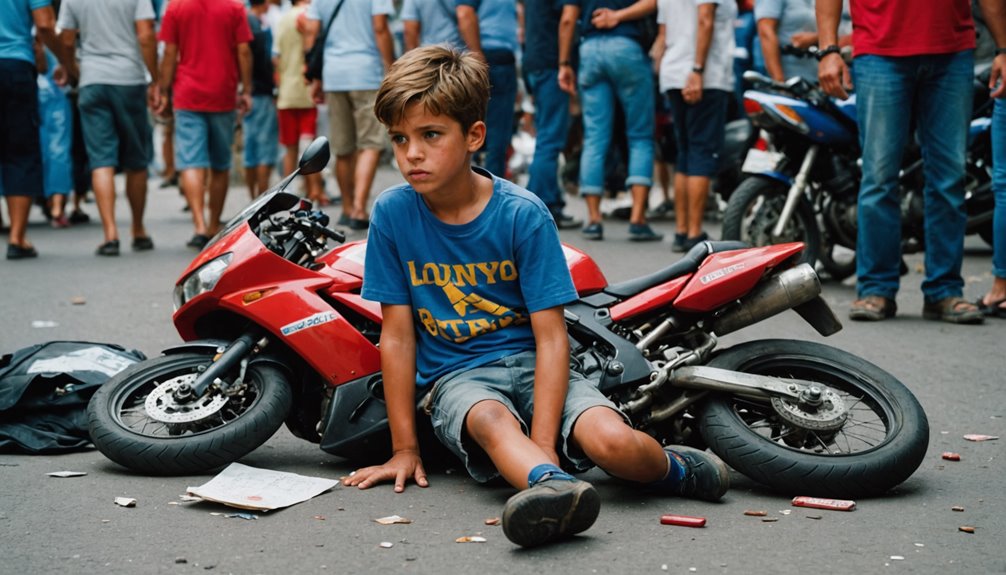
[432, 151]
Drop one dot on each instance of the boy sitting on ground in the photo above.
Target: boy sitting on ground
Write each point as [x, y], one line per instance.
[472, 280]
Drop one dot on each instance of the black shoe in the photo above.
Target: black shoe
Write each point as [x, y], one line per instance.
[109, 248]
[643, 233]
[79, 217]
[566, 222]
[344, 220]
[678, 245]
[16, 252]
[553, 509]
[142, 244]
[593, 231]
[706, 476]
[692, 242]
[198, 242]
[358, 223]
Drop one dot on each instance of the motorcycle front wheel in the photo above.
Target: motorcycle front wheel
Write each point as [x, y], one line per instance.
[136, 421]
[877, 444]
[755, 207]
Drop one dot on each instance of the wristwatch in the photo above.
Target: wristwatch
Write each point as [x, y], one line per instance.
[833, 49]
[698, 69]
[1000, 51]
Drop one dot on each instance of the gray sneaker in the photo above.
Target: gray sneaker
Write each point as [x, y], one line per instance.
[551, 510]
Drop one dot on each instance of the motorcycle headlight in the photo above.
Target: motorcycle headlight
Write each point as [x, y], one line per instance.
[202, 280]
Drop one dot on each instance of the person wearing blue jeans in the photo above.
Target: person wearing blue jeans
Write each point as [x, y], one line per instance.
[926, 70]
[489, 27]
[993, 303]
[551, 105]
[613, 66]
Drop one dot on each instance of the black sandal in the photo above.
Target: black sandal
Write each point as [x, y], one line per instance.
[109, 248]
[994, 310]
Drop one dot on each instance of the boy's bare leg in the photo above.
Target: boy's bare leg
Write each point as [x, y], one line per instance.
[593, 208]
[491, 425]
[618, 449]
[103, 184]
[681, 204]
[251, 179]
[640, 198]
[136, 193]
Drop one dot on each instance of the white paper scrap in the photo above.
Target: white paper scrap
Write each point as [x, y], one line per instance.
[247, 487]
[66, 474]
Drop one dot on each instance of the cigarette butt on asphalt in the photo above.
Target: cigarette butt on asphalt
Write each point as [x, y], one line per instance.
[683, 520]
[822, 503]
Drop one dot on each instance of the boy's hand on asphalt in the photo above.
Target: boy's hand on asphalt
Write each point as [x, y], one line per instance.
[402, 466]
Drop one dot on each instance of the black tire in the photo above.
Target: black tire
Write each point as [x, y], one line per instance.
[837, 260]
[123, 429]
[752, 438]
[754, 208]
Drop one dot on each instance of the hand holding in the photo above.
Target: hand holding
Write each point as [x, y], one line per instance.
[834, 76]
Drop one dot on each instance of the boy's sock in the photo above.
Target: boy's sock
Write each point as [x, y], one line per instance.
[546, 471]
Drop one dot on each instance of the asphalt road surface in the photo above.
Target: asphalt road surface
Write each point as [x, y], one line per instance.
[52, 525]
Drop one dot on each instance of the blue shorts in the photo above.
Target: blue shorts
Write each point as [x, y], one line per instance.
[699, 129]
[203, 139]
[261, 133]
[20, 147]
[114, 122]
[510, 381]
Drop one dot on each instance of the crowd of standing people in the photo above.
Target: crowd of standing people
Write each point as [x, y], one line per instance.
[204, 67]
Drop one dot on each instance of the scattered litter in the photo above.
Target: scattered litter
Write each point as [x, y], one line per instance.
[181, 560]
[393, 519]
[191, 498]
[43, 323]
[980, 437]
[817, 517]
[106, 520]
[683, 520]
[821, 503]
[920, 544]
[319, 517]
[966, 529]
[957, 508]
[944, 433]
[785, 511]
[386, 544]
[897, 558]
[493, 521]
[66, 474]
[248, 516]
[663, 567]
[951, 456]
[125, 501]
[216, 513]
[769, 519]
[692, 569]
[173, 503]
[78, 300]
[755, 513]
[247, 487]
[470, 539]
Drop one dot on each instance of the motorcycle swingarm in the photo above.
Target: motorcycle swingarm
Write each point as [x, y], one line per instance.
[707, 378]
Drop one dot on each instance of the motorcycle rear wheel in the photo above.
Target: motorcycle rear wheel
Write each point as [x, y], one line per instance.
[754, 208]
[134, 421]
[880, 445]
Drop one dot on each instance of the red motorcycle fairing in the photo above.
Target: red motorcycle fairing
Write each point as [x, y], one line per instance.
[650, 299]
[283, 298]
[587, 275]
[726, 276]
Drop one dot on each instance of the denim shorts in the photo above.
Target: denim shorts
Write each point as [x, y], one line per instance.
[510, 381]
[203, 139]
[261, 133]
[20, 146]
[116, 130]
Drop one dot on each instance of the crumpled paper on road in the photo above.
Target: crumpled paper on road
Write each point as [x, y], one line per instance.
[247, 487]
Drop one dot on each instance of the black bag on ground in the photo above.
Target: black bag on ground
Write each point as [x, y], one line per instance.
[44, 390]
[314, 59]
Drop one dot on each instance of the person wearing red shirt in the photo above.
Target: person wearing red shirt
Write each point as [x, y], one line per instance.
[911, 59]
[206, 52]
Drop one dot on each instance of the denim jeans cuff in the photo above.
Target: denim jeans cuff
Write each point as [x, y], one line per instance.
[638, 180]
[591, 191]
[999, 273]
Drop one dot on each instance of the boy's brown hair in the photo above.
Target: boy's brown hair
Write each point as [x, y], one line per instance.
[446, 81]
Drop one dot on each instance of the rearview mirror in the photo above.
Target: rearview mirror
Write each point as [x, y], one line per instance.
[315, 157]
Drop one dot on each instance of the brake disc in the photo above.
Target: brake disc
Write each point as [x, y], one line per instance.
[162, 406]
[829, 415]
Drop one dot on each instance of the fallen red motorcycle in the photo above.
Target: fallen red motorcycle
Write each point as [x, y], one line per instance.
[276, 331]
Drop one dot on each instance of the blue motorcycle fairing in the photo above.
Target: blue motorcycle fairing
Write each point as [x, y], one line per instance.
[822, 127]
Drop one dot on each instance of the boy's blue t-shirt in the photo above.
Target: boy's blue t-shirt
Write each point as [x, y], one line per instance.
[472, 286]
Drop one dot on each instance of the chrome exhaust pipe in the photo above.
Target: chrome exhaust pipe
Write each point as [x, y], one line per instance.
[789, 289]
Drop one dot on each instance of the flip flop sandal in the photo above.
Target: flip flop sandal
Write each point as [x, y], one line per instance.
[872, 308]
[953, 310]
[994, 310]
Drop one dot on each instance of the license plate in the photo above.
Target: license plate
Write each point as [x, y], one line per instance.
[758, 161]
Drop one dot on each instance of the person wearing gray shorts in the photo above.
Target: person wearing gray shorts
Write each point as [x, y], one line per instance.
[117, 51]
